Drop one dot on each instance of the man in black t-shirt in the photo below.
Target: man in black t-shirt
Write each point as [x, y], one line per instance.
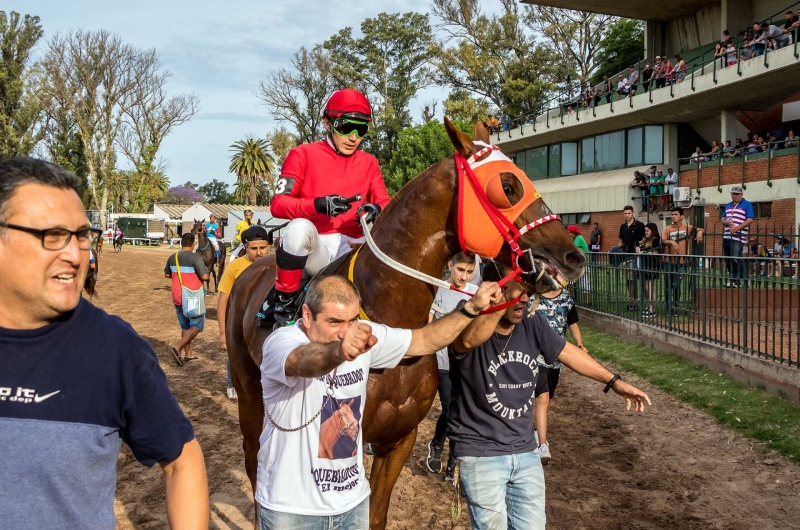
[75, 382]
[494, 371]
[630, 233]
[595, 239]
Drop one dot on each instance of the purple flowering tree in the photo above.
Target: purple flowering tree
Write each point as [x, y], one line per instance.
[183, 195]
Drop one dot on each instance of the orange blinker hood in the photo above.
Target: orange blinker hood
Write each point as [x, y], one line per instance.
[478, 233]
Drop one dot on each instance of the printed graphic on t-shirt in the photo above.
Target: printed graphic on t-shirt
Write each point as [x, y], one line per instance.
[340, 423]
[511, 380]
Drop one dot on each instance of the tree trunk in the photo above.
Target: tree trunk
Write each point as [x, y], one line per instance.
[103, 207]
[253, 195]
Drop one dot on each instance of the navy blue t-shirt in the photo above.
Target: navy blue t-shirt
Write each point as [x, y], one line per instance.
[492, 400]
[70, 393]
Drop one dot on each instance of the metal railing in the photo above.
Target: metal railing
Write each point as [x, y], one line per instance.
[737, 303]
[704, 64]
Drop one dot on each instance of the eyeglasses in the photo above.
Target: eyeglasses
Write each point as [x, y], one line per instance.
[59, 238]
[345, 127]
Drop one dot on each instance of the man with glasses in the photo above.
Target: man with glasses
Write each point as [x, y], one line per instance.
[75, 382]
[737, 217]
[320, 183]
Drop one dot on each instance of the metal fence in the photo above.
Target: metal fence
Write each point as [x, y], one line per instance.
[746, 304]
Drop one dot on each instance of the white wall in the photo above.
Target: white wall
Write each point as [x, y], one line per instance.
[692, 31]
[195, 211]
[763, 9]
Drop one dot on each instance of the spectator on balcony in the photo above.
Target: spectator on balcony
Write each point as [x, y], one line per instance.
[630, 233]
[666, 72]
[729, 151]
[529, 120]
[754, 249]
[658, 68]
[662, 190]
[671, 181]
[772, 142]
[775, 34]
[675, 239]
[791, 25]
[493, 124]
[570, 110]
[640, 181]
[589, 97]
[622, 87]
[647, 76]
[652, 180]
[730, 52]
[720, 53]
[715, 151]
[758, 44]
[790, 141]
[726, 37]
[680, 69]
[633, 80]
[697, 156]
[737, 217]
[506, 122]
[606, 90]
[650, 264]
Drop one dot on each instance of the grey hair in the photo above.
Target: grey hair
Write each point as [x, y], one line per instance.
[336, 289]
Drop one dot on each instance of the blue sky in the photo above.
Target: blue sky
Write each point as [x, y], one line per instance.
[218, 51]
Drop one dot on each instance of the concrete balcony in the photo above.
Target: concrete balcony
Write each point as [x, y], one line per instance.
[754, 85]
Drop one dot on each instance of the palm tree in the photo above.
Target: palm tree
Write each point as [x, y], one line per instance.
[251, 162]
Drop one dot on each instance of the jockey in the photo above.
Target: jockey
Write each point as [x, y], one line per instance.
[213, 231]
[316, 181]
[241, 226]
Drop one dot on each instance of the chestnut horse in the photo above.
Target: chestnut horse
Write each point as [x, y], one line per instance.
[418, 228]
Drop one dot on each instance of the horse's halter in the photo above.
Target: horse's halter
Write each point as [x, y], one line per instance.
[505, 226]
[346, 426]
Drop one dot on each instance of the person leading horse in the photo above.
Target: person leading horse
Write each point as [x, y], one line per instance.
[319, 185]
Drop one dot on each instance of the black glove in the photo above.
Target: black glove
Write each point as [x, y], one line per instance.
[331, 205]
[372, 210]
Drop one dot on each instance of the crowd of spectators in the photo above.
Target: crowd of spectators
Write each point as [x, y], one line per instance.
[754, 144]
[656, 188]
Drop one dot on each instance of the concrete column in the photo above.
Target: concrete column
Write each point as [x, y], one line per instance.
[649, 40]
[671, 146]
[735, 15]
[729, 125]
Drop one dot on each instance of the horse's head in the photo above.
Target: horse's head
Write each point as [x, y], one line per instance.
[555, 258]
[349, 425]
[198, 227]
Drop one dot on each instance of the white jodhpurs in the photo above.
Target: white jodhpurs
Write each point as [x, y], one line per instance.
[300, 238]
[214, 243]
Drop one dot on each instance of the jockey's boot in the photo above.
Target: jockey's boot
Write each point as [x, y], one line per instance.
[285, 307]
[288, 275]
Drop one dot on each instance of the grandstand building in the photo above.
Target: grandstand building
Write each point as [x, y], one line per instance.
[582, 158]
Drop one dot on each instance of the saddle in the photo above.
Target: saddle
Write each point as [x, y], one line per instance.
[268, 309]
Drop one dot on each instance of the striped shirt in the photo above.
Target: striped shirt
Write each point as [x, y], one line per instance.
[738, 213]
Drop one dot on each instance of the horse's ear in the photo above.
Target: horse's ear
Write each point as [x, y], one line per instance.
[481, 133]
[460, 140]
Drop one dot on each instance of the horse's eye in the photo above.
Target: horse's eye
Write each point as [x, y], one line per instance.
[508, 190]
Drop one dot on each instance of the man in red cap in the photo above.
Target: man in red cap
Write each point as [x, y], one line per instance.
[320, 183]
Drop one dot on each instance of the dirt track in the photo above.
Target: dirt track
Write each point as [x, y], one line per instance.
[673, 467]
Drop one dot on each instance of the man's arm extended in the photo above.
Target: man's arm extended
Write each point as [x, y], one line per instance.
[444, 331]
[314, 360]
[477, 332]
[187, 489]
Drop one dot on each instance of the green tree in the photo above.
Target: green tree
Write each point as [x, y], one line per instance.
[495, 57]
[621, 46]
[281, 141]
[216, 192]
[20, 110]
[64, 146]
[460, 105]
[391, 63]
[418, 148]
[573, 36]
[251, 162]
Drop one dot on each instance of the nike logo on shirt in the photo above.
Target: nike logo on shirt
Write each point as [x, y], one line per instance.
[39, 399]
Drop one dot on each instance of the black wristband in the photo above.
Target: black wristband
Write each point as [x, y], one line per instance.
[461, 307]
[610, 384]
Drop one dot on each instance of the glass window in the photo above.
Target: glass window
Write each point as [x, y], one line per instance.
[519, 160]
[616, 150]
[587, 155]
[584, 218]
[569, 158]
[601, 145]
[554, 166]
[654, 144]
[634, 146]
[536, 163]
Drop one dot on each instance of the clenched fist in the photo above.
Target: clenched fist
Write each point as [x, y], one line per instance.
[357, 339]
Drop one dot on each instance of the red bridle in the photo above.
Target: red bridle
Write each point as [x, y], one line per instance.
[504, 226]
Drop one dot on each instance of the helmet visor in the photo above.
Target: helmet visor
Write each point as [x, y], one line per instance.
[346, 127]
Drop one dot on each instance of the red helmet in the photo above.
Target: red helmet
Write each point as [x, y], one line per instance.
[348, 103]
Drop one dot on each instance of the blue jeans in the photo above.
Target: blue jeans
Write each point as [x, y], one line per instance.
[672, 284]
[189, 322]
[504, 492]
[355, 519]
[736, 267]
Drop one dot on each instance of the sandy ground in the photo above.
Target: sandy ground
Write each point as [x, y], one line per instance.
[673, 467]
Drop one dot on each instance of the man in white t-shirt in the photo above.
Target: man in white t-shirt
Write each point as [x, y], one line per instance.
[314, 379]
[462, 268]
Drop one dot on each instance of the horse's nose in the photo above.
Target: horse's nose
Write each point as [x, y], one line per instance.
[575, 258]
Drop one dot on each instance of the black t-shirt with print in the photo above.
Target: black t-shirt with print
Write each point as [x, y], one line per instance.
[631, 235]
[493, 386]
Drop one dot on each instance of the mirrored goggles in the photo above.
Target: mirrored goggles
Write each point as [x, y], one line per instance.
[345, 127]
